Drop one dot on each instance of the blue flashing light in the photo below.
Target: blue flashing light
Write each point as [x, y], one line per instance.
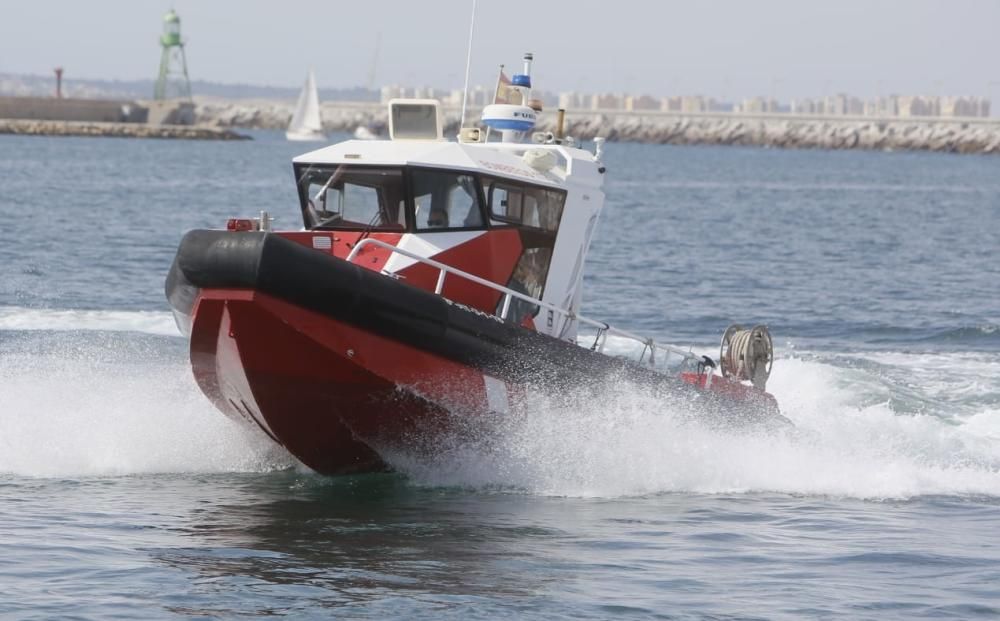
[521, 80]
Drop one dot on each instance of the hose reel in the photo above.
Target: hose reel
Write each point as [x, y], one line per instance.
[747, 354]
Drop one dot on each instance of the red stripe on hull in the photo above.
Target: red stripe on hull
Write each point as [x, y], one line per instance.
[491, 256]
[343, 242]
[325, 390]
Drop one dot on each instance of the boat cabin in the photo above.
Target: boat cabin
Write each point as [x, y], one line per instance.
[518, 215]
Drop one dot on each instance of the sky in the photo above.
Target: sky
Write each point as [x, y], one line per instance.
[724, 48]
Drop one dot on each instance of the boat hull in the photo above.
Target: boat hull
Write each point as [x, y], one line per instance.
[343, 366]
[279, 381]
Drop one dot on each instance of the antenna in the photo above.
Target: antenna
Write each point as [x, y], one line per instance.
[468, 65]
[371, 71]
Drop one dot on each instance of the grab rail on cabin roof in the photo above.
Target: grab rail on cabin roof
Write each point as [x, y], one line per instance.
[603, 329]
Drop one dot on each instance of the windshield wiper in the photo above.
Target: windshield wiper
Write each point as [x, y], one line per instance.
[371, 224]
[321, 194]
[326, 186]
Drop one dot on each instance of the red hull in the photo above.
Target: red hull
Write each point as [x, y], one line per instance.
[341, 365]
[323, 389]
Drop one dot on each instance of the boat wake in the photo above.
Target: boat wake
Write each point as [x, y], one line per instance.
[117, 398]
[109, 400]
[857, 434]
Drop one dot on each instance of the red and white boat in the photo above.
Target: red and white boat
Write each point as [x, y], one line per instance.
[433, 282]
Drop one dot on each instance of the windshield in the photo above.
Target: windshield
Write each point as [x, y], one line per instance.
[443, 199]
[352, 197]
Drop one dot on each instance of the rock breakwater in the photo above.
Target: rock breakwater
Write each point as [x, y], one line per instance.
[116, 130]
[786, 132]
[780, 131]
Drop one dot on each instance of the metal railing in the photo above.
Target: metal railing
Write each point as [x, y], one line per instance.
[603, 329]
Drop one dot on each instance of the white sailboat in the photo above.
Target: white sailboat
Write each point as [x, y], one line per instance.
[306, 123]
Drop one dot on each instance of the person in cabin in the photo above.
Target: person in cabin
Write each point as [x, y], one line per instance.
[438, 216]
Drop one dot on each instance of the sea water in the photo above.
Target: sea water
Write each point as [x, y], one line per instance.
[125, 494]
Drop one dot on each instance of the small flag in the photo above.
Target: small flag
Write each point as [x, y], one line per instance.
[506, 94]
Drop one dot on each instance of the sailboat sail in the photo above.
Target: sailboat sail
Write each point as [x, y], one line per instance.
[306, 119]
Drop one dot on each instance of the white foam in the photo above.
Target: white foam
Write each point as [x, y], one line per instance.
[77, 405]
[629, 443]
[85, 410]
[150, 322]
[985, 424]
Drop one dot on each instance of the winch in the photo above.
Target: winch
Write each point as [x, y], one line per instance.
[747, 354]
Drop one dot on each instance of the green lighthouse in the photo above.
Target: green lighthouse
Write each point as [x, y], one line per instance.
[173, 81]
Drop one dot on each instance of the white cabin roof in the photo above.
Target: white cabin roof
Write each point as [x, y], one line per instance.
[498, 159]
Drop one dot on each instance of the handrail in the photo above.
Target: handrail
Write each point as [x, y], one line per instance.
[603, 328]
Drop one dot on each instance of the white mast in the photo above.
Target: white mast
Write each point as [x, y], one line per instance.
[468, 65]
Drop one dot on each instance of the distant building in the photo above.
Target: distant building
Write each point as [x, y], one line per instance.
[696, 103]
[835, 105]
[455, 98]
[842, 105]
[484, 95]
[756, 105]
[670, 104]
[882, 106]
[984, 107]
[965, 107]
[805, 106]
[392, 92]
[572, 101]
[605, 101]
[548, 99]
[918, 105]
[428, 92]
[642, 102]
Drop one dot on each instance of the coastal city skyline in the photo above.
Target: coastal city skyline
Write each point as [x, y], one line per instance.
[839, 104]
[731, 51]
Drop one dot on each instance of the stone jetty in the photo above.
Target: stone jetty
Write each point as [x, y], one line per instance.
[762, 130]
[787, 131]
[117, 130]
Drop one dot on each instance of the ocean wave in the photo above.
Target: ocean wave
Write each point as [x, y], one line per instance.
[987, 334]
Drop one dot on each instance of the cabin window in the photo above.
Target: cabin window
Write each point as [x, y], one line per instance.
[445, 200]
[535, 211]
[525, 205]
[528, 278]
[353, 197]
